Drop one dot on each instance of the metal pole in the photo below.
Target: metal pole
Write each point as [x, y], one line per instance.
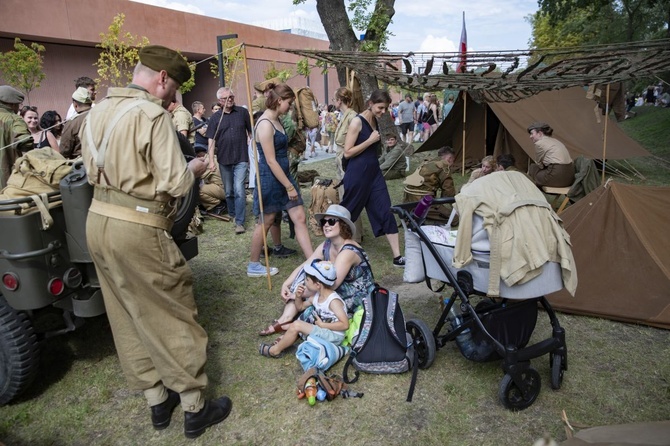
[325, 83]
[219, 50]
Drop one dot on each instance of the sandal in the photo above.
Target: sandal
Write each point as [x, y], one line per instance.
[264, 349]
[274, 327]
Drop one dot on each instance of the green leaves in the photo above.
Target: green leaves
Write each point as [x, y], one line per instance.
[119, 55]
[22, 68]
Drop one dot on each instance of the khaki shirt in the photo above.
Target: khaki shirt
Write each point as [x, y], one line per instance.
[393, 161]
[70, 144]
[143, 157]
[183, 121]
[12, 130]
[551, 151]
[343, 126]
[436, 176]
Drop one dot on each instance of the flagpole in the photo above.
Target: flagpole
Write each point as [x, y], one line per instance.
[465, 107]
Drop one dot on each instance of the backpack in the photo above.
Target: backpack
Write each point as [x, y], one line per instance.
[383, 344]
[324, 193]
[307, 107]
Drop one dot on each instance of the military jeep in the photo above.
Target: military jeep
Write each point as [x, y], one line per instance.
[49, 283]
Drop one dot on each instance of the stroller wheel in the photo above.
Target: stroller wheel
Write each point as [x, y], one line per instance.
[424, 342]
[556, 363]
[516, 398]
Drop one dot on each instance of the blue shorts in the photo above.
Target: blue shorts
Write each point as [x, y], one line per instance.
[327, 335]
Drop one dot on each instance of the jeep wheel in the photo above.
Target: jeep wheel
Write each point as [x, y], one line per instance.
[19, 352]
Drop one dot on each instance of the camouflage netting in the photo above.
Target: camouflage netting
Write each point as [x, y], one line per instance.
[498, 74]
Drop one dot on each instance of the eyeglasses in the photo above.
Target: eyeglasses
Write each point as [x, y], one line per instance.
[228, 98]
[330, 221]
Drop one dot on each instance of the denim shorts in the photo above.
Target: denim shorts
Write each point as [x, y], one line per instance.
[327, 335]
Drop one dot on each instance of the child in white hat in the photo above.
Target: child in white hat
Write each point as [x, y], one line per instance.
[330, 314]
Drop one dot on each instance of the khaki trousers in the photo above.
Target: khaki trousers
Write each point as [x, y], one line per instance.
[211, 195]
[148, 292]
[554, 175]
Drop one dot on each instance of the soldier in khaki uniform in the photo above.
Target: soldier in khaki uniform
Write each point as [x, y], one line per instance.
[429, 178]
[70, 144]
[133, 160]
[15, 137]
[392, 162]
[182, 120]
[211, 187]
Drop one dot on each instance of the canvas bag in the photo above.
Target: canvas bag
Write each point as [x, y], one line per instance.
[383, 344]
[324, 193]
[307, 108]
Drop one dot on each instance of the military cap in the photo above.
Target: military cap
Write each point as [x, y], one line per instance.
[160, 58]
[541, 126]
[10, 95]
[82, 95]
[262, 86]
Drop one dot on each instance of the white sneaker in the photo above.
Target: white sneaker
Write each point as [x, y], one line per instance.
[255, 269]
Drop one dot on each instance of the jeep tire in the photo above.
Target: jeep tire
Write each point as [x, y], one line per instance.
[19, 352]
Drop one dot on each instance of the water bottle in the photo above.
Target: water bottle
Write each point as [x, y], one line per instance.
[321, 394]
[310, 391]
[422, 208]
[464, 340]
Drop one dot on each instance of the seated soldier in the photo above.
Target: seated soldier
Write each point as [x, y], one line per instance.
[429, 178]
[553, 164]
[392, 162]
[212, 195]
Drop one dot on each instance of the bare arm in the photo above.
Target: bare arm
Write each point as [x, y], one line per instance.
[350, 149]
[337, 307]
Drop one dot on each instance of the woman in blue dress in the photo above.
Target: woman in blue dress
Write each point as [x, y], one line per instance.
[278, 190]
[364, 184]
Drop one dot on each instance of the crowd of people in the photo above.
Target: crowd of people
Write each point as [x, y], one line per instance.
[133, 155]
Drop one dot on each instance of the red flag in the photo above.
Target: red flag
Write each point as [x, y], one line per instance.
[463, 48]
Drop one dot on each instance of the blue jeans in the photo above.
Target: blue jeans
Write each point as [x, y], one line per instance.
[233, 176]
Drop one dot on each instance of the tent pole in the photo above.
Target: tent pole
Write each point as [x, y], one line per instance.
[255, 161]
[607, 116]
[485, 134]
[465, 107]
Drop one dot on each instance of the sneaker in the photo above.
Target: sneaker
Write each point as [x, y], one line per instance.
[255, 269]
[239, 229]
[282, 252]
[399, 262]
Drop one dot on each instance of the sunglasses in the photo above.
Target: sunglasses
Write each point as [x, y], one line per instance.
[330, 221]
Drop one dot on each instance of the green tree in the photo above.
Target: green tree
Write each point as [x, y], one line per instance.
[22, 68]
[272, 71]
[370, 16]
[119, 55]
[303, 68]
[232, 61]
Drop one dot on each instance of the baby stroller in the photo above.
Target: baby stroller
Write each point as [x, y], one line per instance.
[491, 329]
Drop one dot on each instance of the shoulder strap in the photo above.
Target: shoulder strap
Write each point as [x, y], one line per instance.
[99, 152]
[326, 250]
[359, 251]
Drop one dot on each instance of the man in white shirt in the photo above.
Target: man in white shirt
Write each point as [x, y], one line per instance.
[87, 83]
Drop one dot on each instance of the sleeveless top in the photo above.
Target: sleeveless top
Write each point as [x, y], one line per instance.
[324, 311]
[44, 141]
[359, 281]
[366, 161]
[275, 197]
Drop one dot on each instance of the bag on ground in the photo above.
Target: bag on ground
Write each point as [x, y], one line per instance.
[319, 353]
[383, 344]
[324, 193]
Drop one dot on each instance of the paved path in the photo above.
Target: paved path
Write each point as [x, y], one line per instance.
[320, 155]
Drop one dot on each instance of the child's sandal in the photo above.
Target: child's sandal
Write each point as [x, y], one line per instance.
[264, 350]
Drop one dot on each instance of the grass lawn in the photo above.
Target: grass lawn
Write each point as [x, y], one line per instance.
[618, 373]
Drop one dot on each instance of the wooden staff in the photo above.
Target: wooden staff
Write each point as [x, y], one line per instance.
[465, 107]
[261, 217]
[607, 113]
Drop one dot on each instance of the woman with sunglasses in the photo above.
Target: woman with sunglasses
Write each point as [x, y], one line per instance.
[364, 183]
[354, 275]
[279, 191]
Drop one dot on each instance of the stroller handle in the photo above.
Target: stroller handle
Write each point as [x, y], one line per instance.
[404, 210]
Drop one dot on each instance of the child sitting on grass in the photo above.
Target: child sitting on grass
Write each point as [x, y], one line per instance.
[330, 313]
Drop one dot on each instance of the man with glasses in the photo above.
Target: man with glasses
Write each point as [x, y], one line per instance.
[229, 131]
[14, 134]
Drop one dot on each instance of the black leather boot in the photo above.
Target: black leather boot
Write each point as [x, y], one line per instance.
[214, 411]
[161, 414]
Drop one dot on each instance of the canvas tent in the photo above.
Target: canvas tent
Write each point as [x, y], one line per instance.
[500, 127]
[619, 236]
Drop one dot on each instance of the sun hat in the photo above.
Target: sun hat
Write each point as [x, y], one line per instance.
[82, 95]
[335, 210]
[323, 271]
